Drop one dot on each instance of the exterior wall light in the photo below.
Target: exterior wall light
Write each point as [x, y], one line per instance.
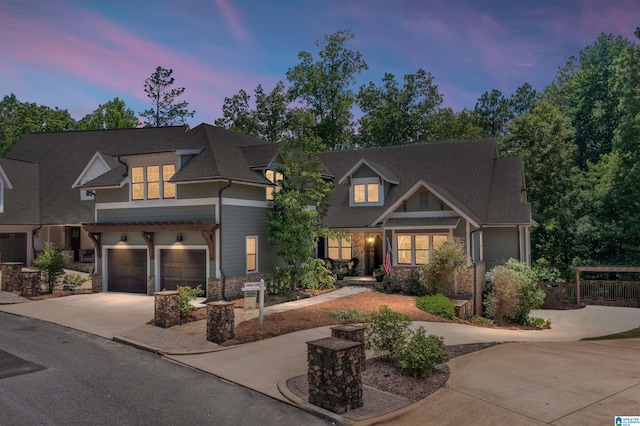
[179, 238]
[123, 238]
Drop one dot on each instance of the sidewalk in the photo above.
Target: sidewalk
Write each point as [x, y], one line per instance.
[8, 298]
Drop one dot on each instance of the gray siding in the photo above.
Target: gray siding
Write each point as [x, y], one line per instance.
[424, 200]
[237, 224]
[461, 230]
[363, 172]
[159, 214]
[196, 190]
[500, 244]
[247, 192]
[113, 195]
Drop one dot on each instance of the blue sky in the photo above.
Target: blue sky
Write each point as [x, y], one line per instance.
[77, 54]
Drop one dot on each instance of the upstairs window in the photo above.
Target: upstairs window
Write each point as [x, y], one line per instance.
[366, 192]
[152, 182]
[273, 177]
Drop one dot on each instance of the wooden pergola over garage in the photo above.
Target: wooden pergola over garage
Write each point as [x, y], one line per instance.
[147, 230]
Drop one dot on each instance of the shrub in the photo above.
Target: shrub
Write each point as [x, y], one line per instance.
[438, 304]
[314, 275]
[538, 322]
[186, 295]
[279, 281]
[386, 332]
[408, 282]
[52, 264]
[514, 292]
[437, 276]
[348, 314]
[481, 321]
[422, 354]
[73, 279]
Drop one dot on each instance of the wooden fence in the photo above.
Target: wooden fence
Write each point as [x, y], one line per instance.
[608, 292]
[559, 293]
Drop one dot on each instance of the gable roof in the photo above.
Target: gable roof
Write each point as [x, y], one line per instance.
[21, 201]
[379, 169]
[467, 174]
[62, 156]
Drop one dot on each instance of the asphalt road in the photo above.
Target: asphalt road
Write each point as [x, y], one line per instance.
[51, 375]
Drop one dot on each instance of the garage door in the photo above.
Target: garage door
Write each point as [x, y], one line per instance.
[13, 247]
[183, 268]
[127, 270]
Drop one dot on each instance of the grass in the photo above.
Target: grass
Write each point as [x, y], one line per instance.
[634, 333]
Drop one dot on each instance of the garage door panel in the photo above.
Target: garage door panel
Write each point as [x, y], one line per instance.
[13, 247]
[127, 270]
[183, 268]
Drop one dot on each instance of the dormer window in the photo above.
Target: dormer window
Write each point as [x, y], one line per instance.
[152, 182]
[273, 177]
[366, 192]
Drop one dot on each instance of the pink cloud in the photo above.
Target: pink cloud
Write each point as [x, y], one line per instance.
[232, 18]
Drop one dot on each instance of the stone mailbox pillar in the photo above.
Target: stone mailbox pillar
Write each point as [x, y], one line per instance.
[167, 309]
[220, 321]
[354, 333]
[335, 379]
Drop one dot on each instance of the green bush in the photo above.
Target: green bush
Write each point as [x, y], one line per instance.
[438, 304]
[348, 314]
[408, 283]
[279, 281]
[186, 295]
[513, 294]
[422, 354]
[52, 264]
[438, 275]
[481, 321]
[314, 275]
[73, 279]
[386, 332]
[538, 322]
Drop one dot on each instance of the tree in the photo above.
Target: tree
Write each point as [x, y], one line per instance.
[523, 100]
[544, 139]
[396, 116]
[112, 115]
[269, 119]
[324, 86]
[293, 221]
[19, 118]
[445, 124]
[52, 263]
[492, 112]
[165, 110]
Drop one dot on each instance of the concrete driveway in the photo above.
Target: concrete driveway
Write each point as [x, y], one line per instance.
[102, 314]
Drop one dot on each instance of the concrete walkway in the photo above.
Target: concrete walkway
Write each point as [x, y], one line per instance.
[8, 298]
[545, 382]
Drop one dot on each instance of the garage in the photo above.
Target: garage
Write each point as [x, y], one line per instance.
[127, 270]
[13, 247]
[183, 268]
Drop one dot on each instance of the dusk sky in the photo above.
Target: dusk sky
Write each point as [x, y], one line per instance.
[77, 54]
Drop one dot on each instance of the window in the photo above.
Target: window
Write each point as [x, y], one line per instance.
[150, 182]
[366, 193]
[252, 254]
[415, 249]
[339, 249]
[274, 177]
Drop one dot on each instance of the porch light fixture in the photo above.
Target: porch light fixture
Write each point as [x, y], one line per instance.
[123, 238]
[179, 238]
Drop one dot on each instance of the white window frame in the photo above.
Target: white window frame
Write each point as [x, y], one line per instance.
[247, 254]
[145, 182]
[413, 245]
[340, 247]
[366, 182]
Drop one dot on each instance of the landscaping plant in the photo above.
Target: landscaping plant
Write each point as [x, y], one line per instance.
[52, 264]
[438, 275]
[422, 354]
[315, 276]
[348, 314]
[186, 295]
[438, 304]
[386, 332]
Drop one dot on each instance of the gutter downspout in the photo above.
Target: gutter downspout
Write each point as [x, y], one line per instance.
[475, 275]
[224, 277]
[126, 166]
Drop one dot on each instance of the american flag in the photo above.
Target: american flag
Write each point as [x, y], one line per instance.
[387, 259]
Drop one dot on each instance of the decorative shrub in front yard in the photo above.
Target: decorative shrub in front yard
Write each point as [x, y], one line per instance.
[422, 354]
[438, 304]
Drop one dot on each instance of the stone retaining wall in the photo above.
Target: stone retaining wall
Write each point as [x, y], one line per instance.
[233, 286]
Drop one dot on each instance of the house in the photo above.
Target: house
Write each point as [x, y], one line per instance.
[160, 207]
[417, 196]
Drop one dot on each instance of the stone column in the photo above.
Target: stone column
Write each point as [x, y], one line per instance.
[31, 282]
[215, 289]
[151, 285]
[220, 321]
[335, 379]
[167, 309]
[96, 283]
[353, 333]
[11, 280]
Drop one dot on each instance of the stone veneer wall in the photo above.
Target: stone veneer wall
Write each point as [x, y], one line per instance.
[11, 278]
[167, 309]
[334, 374]
[31, 282]
[233, 288]
[151, 285]
[358, 247]
[96, 283]
[220, 321]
